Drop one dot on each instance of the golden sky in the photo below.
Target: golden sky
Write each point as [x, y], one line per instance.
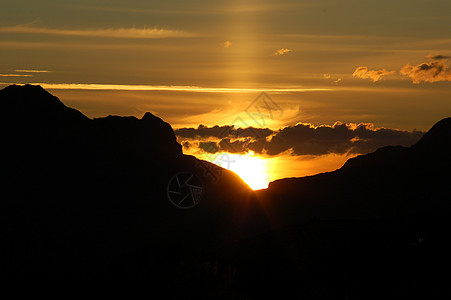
[204, 62]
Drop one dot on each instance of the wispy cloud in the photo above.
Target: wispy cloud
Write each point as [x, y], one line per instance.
[15, 75]
[213, 9]
[175, 88]
[437, 56]
[282, 51]
[33, 71]
[427, 72]
[30, 73]
[375, 75]
[328, 76]
[133, 33]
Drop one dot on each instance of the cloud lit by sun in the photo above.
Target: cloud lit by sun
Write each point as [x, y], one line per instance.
[282, 51]
[226, 44]
[202, 66]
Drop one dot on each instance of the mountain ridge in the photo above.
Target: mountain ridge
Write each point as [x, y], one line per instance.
[87, 199]
[391, 181]
[65, 174]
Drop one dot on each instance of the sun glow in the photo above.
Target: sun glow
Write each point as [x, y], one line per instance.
[250, 168]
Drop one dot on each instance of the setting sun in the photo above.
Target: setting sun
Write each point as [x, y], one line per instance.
[251, 169]
[241, 148]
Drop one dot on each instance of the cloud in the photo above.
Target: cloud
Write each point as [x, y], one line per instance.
[375, 75]
[15, 75]
[226, 44]
[282, 51]
[209, 147]
[175, 88]
[328, 76]
[226, 131]
[213, 9]
[24, 75]
[301, 139]
[129, 33]
[33, 71]
[427, 72]
[437, 56]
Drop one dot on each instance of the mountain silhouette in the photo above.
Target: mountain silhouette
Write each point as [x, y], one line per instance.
[377, 226]
[393, 181]
[82, 196]
[88, 199]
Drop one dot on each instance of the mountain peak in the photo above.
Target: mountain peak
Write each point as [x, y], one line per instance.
[437, 138]
[25, 87]
[30, 109]
[33, 102]
[149, 116]
[27, 91]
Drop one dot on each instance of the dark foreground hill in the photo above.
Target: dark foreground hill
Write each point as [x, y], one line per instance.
[376, 228]
[394, 181]
[87, 199]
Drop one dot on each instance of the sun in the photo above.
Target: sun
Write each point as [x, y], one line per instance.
[250, 168]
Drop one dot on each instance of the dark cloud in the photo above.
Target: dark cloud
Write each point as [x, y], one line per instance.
[428, 72]
[222, 132]
[202, 132]
[306, 139]
[238, 146]
[368, 139]
[209, 147]
[437, 56]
